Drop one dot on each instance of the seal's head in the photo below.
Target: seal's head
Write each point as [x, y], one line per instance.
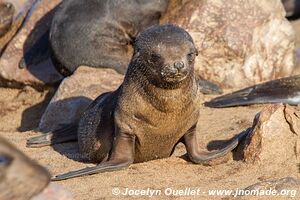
[165, 54]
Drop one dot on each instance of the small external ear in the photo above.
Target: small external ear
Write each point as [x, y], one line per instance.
[136, 54]
[136, 50]
[196, 51]
[5, 160]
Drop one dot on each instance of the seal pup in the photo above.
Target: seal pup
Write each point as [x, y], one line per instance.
[284, 90]
[156, 106]
[7, 11]
[20, 177]
[97, 33]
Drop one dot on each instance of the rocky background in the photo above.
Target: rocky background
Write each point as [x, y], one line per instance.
[240, 43]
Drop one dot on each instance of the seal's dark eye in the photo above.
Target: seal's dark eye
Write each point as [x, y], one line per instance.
[155, 56]
[191, 57]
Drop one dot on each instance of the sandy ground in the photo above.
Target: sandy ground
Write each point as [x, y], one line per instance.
[21, 110]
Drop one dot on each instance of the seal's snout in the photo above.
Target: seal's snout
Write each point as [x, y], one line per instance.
[175, 71]
[8, 5]
[169, 70]
[179, 68]
[179, 65]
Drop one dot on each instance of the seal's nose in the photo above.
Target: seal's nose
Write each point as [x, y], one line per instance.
[179, 65]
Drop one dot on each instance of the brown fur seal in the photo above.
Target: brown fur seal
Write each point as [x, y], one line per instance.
[156, 106]
[97, 33]
[6, 17]
[20, 177]
[283, 90]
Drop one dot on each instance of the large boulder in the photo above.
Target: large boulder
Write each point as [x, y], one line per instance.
[19, 9]
[75, 93]
[274, 136]
[31, 42]
[240, 42]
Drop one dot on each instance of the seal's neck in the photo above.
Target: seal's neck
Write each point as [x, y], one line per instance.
[165, 99]
[172, 99]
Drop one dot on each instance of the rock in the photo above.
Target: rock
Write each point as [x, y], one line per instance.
[21, 8]
[277, 184]
[240, 43]
[53, 192]
[7, 11]
[285, 187]
[20, 177]
[274, 135]
[75, 93]
[32, 42]
[297, 61]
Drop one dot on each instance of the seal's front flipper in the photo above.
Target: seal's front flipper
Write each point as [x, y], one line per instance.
[207, 87]
[121, 157]
[198, 156]
[65, 134]
[284, 90]
[104, 167]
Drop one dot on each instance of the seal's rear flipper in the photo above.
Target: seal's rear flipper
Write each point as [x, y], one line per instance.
[207, 87]
[65, 134]
[284, 90]
[200, 157]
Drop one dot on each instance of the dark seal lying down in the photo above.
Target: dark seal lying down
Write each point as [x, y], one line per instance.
[156, 106]
[284, 90]
[97, 33]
